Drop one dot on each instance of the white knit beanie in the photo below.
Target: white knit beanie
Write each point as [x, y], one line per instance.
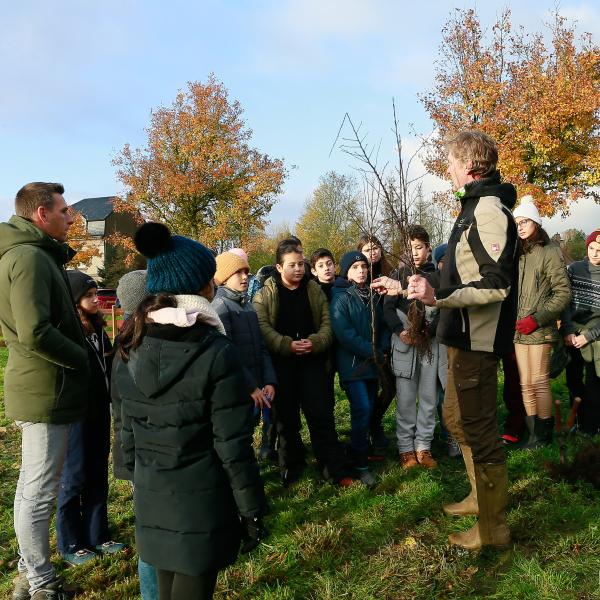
[528, 210]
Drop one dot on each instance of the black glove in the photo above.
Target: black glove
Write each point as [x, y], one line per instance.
[253, 532]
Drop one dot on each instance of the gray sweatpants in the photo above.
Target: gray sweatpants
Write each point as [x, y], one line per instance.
[415, 421]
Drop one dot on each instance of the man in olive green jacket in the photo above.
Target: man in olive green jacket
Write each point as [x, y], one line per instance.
[47, 370]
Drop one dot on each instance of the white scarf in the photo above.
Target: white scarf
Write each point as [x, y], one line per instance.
[189, 310]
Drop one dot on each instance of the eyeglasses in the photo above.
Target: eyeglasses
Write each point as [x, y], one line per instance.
[523, 222]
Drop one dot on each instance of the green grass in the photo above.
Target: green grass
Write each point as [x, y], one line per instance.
[327, 543]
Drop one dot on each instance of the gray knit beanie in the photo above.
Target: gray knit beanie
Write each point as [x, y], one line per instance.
[132, 290]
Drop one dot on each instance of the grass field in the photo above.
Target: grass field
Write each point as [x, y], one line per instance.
[327, 543]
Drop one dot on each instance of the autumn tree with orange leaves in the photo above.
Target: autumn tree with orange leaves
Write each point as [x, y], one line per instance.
[540, 102]
[81, 242]
[198, 173]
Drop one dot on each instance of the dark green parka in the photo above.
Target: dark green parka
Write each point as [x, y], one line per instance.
[187, 436]
[46, 378]
[544, 292]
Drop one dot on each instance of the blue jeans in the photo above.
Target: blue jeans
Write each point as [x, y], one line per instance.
[82, 513]
[43, 450]
[361, 395]
[148, 583]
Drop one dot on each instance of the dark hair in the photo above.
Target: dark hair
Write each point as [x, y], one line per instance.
[320, 253]
[36, 194]
[283, 249]
[383, 267]
[92, 322]
[136, 326]
[289, 241]
[417, 232]
[538, 238]
[477, 148]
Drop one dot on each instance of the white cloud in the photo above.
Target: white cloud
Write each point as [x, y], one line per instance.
[318, 19]
[585, 215]
[307, 34]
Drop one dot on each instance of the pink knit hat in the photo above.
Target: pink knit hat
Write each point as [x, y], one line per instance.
[240, 253]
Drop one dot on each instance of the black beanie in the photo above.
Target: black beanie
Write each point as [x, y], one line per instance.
[80, 283]
[349, 259]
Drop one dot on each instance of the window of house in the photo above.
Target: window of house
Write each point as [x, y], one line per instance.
[95, 227]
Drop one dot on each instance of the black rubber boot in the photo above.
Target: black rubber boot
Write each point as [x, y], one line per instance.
[533, 441]
[544, 431]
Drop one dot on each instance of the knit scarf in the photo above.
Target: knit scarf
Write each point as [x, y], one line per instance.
[189, 310]
[364, 293]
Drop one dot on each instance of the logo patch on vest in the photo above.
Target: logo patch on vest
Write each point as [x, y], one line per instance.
[495, 247]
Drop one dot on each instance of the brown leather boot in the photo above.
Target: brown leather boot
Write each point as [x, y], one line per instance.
[491, 528]
[408, 460]
[425, 459]
[467, 506]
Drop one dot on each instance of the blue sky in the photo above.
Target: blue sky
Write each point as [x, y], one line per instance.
[79, 80]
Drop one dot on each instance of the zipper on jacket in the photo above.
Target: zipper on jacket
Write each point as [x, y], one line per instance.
[462, 318]
[62, 385]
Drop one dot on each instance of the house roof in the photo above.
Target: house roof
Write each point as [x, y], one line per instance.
[95, 209]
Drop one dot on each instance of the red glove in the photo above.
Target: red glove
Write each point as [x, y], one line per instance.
[527, 325]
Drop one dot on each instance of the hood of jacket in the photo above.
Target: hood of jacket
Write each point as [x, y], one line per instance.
[491, 186]
[340, 284]
[166, 352]
[19, 231]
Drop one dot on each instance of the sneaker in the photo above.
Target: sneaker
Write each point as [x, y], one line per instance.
[21, 587]
[76, 559]
[366, 477]
[454, 450]
[110, 547]
[375, 456]
[289, 476]
[345, 482]
[509, 440]
[408, 460]
[425, 459]
[51, 591]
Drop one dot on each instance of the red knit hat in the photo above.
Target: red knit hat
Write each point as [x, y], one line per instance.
[593, 237]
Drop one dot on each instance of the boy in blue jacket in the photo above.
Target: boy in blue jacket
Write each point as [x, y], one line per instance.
[351, 319]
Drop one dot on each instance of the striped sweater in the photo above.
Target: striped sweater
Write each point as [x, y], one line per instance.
[585, 303]
[476, 289]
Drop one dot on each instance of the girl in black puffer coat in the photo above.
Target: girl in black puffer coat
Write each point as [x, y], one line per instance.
[186, 423]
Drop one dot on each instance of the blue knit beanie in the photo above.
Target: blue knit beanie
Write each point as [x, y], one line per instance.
[176, 264]
[439, 253]
[349, 259]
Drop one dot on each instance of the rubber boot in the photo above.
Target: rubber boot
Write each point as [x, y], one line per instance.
[492, 495]
[468, 506]
[544, 431]
[532, 442]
